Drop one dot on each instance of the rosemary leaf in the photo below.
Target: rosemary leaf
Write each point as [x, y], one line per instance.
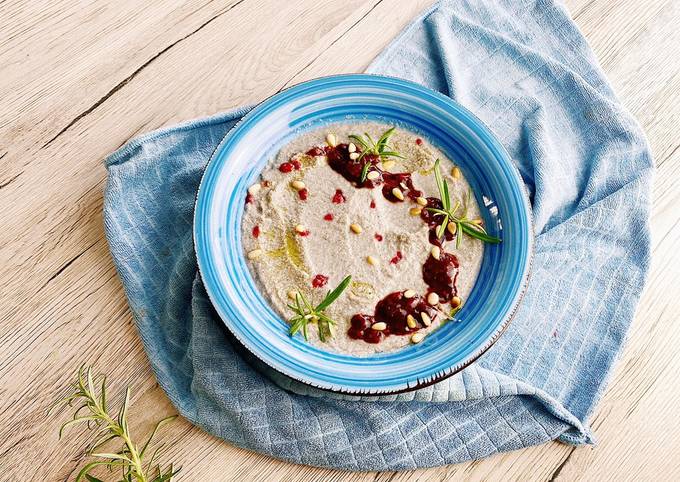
[391, 154]
[481, 235]
[359, 140]
[382, 141]
[333, 295]
[364, 172]
[442, 227]
[443, 194]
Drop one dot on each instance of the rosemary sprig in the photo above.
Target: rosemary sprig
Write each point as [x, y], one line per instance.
[130, 458]
[452, 215]
[306, 313]
[380, 148]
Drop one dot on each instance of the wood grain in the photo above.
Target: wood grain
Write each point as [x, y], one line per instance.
[80, 78]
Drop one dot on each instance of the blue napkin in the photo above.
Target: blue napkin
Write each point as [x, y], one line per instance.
[526, 71]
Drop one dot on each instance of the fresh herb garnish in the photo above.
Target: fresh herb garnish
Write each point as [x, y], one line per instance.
[449, 214]
[306, 313]
[380, 148]
[454, 311]
[130, 459]
[364, 172]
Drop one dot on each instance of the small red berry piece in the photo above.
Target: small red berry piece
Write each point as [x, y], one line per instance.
[266, 183]
[304, 233]
[316, 151]
[249, 198]
[372, 204]
[256, 231]
[398, 257]
[286, 167]
[328, 217]
[303, 193]
[319, 281]
[378, 237]
[419, 141]
[296, 164]
[338, 197]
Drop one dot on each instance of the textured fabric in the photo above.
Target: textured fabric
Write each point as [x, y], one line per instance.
[526, 71]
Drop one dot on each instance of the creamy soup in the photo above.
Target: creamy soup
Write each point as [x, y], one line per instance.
[336, 202]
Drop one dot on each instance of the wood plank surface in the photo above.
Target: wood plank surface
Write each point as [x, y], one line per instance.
[78, 79]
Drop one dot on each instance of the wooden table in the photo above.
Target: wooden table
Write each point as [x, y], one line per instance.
[78, 79]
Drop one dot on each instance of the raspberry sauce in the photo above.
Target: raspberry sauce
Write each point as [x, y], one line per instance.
[403, 182]
[351, 169]
[440, 275]
[316, 151]
[397, 257]
[338, 197]
[392, 310]
[433, 220]
[319, 281]
[286, 167]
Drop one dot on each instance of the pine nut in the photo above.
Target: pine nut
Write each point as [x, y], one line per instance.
[354, 156]
[411, 321]
[331, 140]
[455, 172]
[452, 227]
[433, 298]
[397, 193]
[380, 326]
[254, 189]
[292, 294]
[297, 185]
[436, 252]
[477, 221]
[427, 321]
[415, 211]
[371, 260]
[456, 302]
[352, 147]
[356, 228]
[387, 165]
[403, 186]
[255, 254]
[417, 337]
[421, 200]
[373, 175]
[300, 228]
[409, 294]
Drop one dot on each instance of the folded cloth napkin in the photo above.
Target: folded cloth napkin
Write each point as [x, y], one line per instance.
[526, 71]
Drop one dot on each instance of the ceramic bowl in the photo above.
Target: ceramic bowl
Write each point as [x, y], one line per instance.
[244, 152]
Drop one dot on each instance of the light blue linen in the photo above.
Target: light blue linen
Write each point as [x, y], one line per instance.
[526, 71]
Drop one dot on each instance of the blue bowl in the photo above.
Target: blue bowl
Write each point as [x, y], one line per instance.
[245, 151]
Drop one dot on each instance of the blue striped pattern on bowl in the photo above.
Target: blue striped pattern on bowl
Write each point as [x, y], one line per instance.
[245, 151]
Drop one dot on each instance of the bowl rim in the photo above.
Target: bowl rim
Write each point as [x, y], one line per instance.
[449, 371]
